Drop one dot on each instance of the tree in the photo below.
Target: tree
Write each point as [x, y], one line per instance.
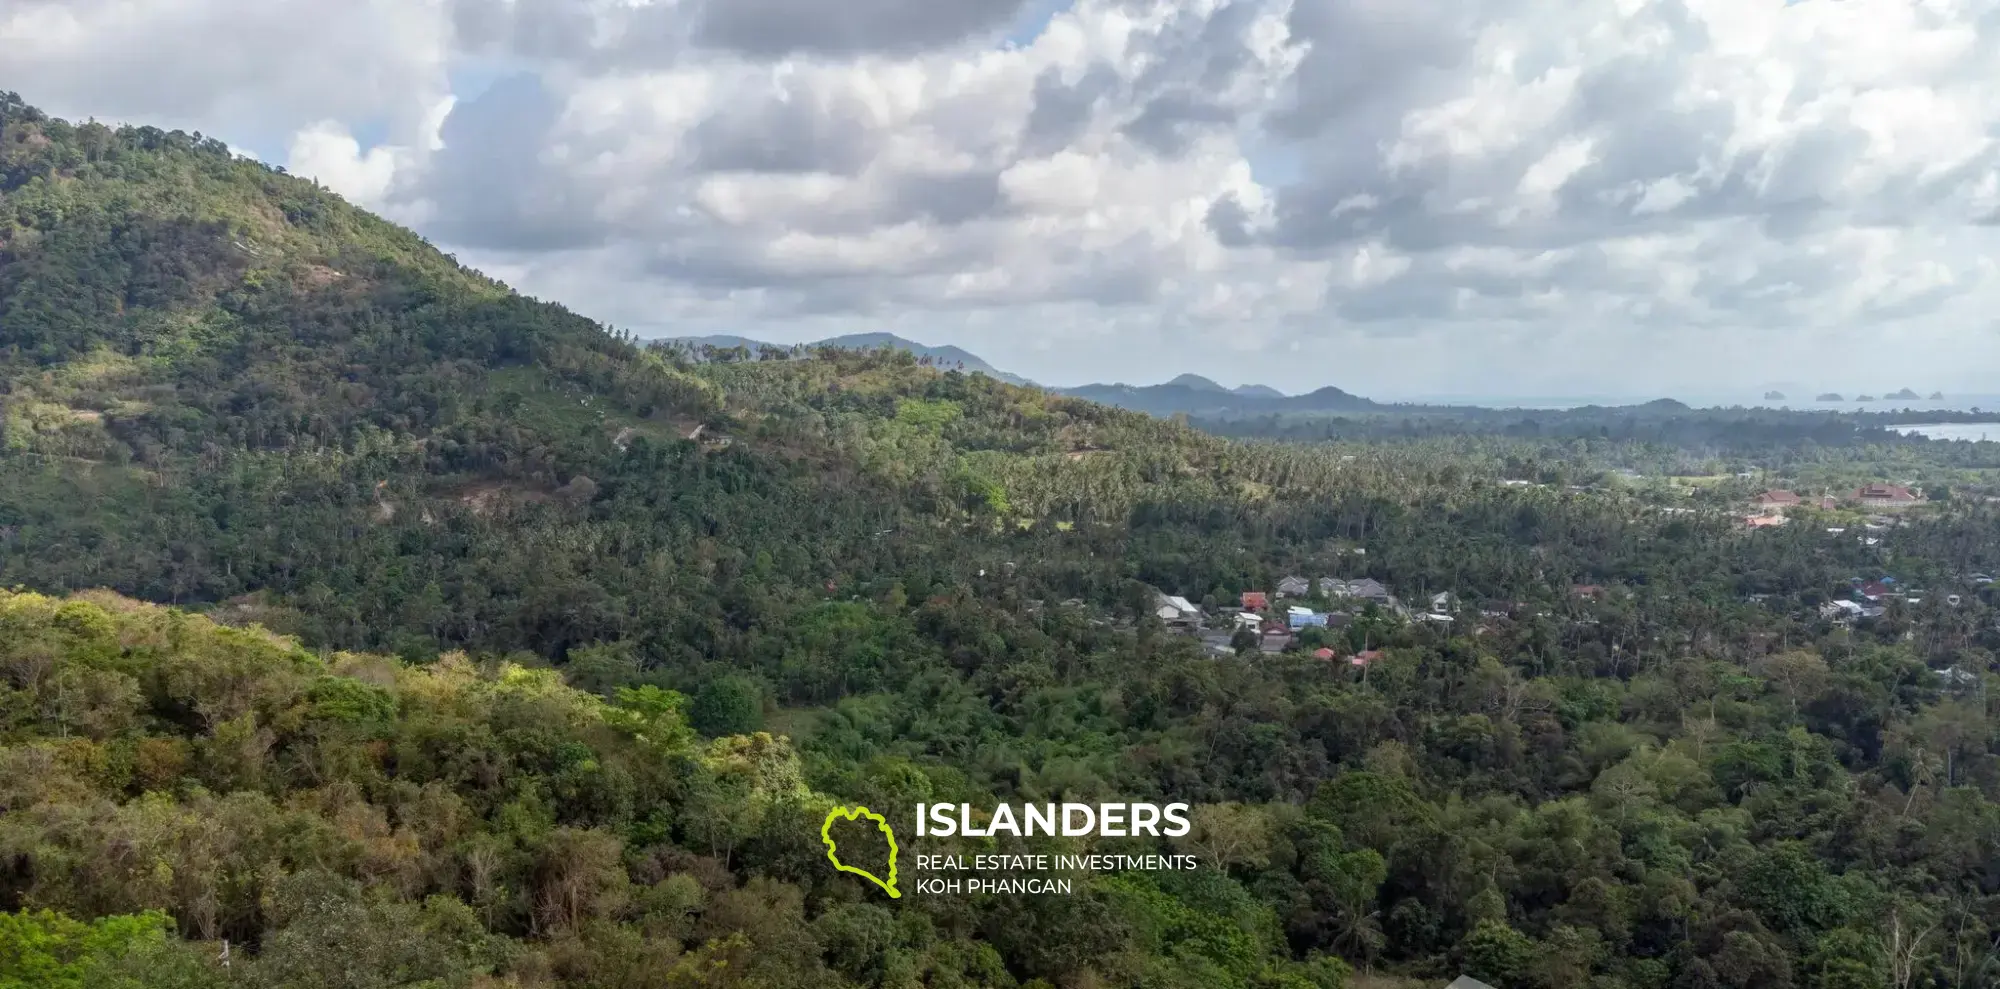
[1496, 953]
[46, 950]
[1230, 835]
[728, 705]
[1798, 676]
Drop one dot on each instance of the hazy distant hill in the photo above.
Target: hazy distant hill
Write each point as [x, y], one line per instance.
[1258, 391]
[1187, 394]
[1191, 394]
[944, 356]
[723, 341]
[1196, 382]
[1179, 396]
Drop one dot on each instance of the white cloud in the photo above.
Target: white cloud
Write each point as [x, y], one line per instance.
[1458, 195]
[327, 152]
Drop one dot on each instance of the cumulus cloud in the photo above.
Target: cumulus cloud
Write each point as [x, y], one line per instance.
[784, 27]
[1397, 196]
[252, 72]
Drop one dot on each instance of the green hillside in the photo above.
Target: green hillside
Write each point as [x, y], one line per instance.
[482, 646]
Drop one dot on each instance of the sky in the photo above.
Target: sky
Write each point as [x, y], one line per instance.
[1403, 198]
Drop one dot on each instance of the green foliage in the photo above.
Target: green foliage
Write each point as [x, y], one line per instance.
[932, 416]
[1498, 954]
[728, 705]
[352, 702]
[46, 950]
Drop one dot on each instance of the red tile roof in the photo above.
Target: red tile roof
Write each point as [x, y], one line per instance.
[1885, 492]
[1255, 600]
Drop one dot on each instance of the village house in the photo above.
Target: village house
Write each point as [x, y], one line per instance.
[1299, 618]
[1174, 610]
[1887, 496]
[1874, 590]
[1294, 587]
[1365, 589]
[1773, 502]
[1255, 601]
[1954, 676]
[1763, 521]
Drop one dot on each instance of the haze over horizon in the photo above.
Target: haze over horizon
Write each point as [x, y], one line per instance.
[1411, 199]
[1795, 394]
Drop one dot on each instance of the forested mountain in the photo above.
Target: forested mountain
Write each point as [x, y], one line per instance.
[953, 358]
[566, 643]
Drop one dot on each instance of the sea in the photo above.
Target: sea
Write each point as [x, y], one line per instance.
[1973, 432]
[1950, 403]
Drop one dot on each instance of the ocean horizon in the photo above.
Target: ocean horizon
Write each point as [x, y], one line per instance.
[1950, 403]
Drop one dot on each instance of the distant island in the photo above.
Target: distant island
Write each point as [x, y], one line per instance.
[1774, 396]
[1832, 396]
[1904, 395]
[1937, 396]
[1864, 398]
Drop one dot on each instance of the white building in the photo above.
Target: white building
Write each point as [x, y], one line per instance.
[1174, 608]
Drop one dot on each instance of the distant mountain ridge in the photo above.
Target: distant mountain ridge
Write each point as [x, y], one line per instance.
[1201, 397]
[1191, 394]
[946, 356]
[1187, 394]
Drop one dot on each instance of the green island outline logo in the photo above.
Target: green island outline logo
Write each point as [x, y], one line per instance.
[832, 855]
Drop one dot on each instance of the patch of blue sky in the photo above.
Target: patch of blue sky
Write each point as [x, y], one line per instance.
[1273, 164]
[1033, 20]
[471, 77]
[370, 133]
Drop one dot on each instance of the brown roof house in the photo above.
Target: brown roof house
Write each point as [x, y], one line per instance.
[1887, 496]
[1777, 500]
